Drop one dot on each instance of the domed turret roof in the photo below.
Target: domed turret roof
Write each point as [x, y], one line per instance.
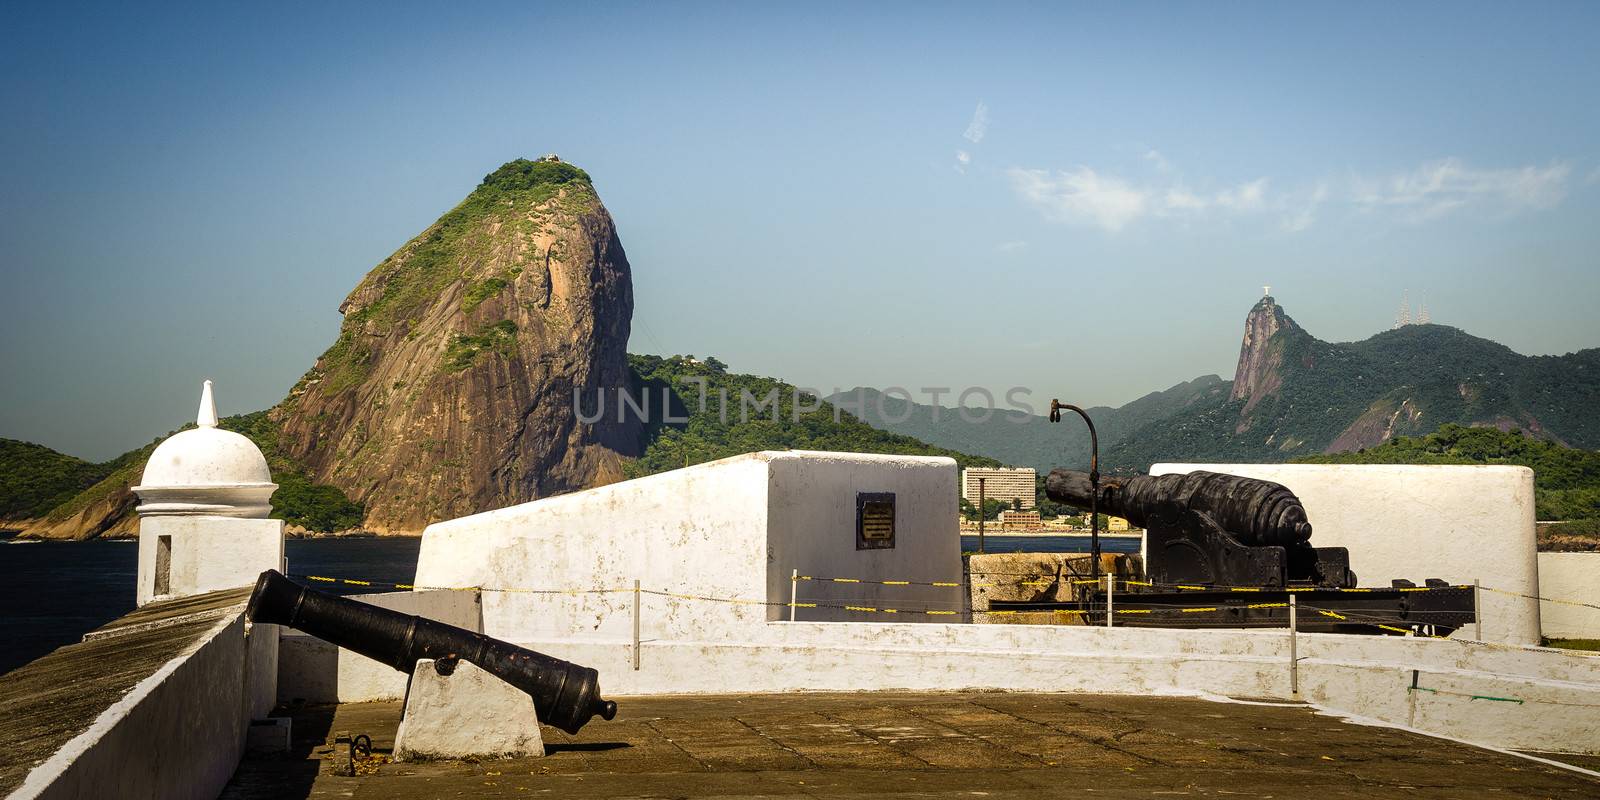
[206, 470]
[206, 455]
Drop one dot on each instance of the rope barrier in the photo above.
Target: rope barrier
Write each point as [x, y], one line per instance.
[1049, 580]
[1541, 598]
[413, 587]
[1037, 582]
[863, 607]
[1385, 623]
[776, 604]
[1479, 696]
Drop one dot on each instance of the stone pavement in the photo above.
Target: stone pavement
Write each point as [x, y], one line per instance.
[970, 745]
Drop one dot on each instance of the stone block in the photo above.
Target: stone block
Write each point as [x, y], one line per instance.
[271, 735]
[465, 712]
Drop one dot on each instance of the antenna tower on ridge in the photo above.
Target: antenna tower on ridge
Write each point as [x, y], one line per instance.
[1404, 317]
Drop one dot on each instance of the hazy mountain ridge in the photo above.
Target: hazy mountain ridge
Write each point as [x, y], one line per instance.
[1303, 396]
[1019, 439]
[1294, 395]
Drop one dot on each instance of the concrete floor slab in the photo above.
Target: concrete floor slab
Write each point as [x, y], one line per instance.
[887, 744]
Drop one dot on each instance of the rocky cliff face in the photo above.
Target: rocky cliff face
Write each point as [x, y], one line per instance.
[108, 515]
[1259, 373]
[450, 389]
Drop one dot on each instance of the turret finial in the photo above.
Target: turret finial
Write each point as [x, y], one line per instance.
[207, 417]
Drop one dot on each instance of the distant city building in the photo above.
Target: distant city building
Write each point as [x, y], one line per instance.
[1019, 519]
[1013, 486]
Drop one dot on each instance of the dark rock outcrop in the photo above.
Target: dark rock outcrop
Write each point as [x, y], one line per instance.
[1259, 372]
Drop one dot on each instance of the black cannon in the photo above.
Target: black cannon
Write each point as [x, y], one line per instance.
[564, 694]
[1210, 528]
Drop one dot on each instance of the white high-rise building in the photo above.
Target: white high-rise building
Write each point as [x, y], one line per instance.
[1007, 484]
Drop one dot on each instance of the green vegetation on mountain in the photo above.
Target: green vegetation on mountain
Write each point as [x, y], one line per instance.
[298, 501]
[35, 479]
[125, 473]
[449, 388]
[745, 413]
[411, 279]
[1294, 395]
[501, 337]
[1566, 481]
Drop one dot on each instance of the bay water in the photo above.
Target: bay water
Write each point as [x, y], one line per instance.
[51, 593]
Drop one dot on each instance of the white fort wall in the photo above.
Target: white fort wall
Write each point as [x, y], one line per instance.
[1458, 523]
[736, 528]
[1573, 578]
[178, 733]
[1360, 676]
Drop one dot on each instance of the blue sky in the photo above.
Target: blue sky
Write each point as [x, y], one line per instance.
[823, 194]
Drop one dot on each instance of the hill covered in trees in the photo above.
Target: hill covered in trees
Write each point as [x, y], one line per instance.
[100, 502]
[711, 413]
[35, 479]
[1292, 395]
[1566, 480]
[1295, 395]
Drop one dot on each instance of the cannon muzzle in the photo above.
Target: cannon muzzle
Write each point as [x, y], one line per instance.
[564, 694]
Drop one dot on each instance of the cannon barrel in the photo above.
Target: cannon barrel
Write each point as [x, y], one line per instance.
[564, 694]
[1256, 512]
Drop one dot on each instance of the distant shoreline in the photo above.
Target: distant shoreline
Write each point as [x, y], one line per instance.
[997, 531]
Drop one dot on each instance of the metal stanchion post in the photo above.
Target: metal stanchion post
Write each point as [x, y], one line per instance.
[982, 512]
[1477, 609]
[794, 593]
[635, 624]
[1294, 654]
[1111, 585]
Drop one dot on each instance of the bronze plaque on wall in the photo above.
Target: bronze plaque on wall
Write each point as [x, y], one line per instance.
[874, 520]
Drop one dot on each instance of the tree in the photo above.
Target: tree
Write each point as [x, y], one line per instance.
[991, 509]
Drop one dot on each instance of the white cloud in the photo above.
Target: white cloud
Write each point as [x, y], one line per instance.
[979, 126]
[963, 158]
[1302, 213]
[1159, 161]
[1081, 195]
[1244, 197]
[1084, 195]
[1441, 187]
[1179, 198]
[1011, 247]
